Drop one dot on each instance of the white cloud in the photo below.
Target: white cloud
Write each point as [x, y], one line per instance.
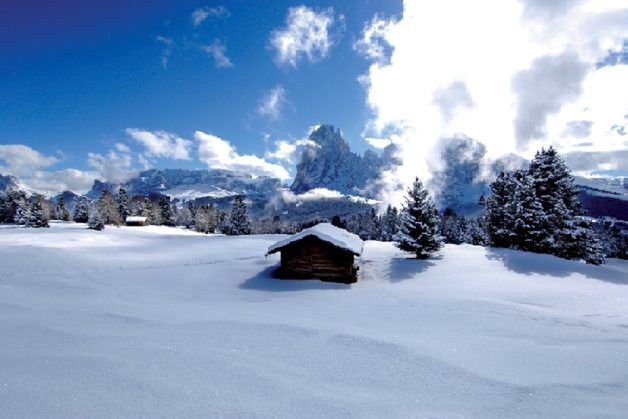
[51, 183]
[168, 44]
[307, 34]
[290, 152]
[20, 160]
[311, 195]
[161, 144]
[528, 69]
[202, 13]
[373, 44]
[272, 103]
[378, 142]
[27, 164]
[542, 89]
[218, 51]
[220, 154]
[113, 167]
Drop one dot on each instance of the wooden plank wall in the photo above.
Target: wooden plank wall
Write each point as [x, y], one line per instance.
[314, 258]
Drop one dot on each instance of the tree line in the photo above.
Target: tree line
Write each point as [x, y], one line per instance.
[535, 210]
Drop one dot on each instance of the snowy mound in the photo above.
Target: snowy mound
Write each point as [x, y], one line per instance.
[327, 233]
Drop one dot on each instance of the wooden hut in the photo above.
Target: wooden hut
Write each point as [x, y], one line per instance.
[324, 251]
[135, 221]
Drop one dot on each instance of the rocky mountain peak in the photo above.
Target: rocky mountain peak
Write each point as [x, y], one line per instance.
[333, 165]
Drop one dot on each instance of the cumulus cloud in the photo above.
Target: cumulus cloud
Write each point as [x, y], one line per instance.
[290, 152]
[587, 163]
[220, 154]
[373, 43]
[452, 98]
[28, 165]
[201, 14]
[168, 44]
[161, 144]
[380, 143]
[218, 51]
[511, 74]
[311, 195]
[272, 103]
[21, 160]
[113, 166]
[308, 34]
[578, 129]
[541, 90]
[52, 182]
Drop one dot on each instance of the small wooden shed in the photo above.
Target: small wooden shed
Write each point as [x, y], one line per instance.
[324, 251]
[135, 221]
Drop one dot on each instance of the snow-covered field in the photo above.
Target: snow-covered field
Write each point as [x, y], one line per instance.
[154, 322]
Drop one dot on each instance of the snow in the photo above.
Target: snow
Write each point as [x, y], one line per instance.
[162, 321]
[328, 233]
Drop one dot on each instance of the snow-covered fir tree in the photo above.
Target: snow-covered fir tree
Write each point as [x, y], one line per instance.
[185, 217]
[37, 217]
[389, 224]
[22, 210]
[477, 231]
[154, 213]
[81, 211]
[4, 206]
[453, 228]
[238, 222]
[124, 204]
[538, 210]
[499, 219]
[526, 214]
[567, 233]
[613, 240]
[96, 220]
[61, 211]
[418, 223]
[168, 217]
[205, 220]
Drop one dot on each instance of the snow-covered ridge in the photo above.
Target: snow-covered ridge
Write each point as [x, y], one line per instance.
[327, 233]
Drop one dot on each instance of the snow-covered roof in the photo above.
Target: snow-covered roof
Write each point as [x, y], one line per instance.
[135, 219]
[327, 233]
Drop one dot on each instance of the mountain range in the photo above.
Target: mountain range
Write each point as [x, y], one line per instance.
[331, 179]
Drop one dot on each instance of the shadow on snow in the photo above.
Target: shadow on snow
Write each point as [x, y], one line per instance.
[407, 268]
[267, 280]
[528, 263]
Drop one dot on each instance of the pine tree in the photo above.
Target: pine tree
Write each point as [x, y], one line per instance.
[61, 211]
[167, 214]
[81, 211]
[4, 206]
[22, 210]
[205, 220]
[124, 205]
[96, 219]
[36, 216]
[567, 233]
[499, 217]
[526, 214]
[452, 227]
[238, 222]
[477, 231]
[389, 224]
[418, 223]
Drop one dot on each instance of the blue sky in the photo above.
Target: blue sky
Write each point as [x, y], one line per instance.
[74, 79]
